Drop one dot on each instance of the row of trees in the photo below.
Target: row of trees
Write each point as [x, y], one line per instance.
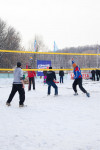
[85, 61]
[10, 40]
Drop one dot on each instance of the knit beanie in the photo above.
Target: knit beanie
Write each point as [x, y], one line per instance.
[50, 67]
[73, 64]
[18, 64]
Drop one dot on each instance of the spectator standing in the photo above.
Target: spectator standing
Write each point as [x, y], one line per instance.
[93, 75]
[97, 74]
[61, 74]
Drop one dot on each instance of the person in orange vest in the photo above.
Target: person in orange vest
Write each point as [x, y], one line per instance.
[31, 76]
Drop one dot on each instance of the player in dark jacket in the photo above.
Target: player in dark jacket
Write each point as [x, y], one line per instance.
[61, 74]
[50, 81]
[78, 79]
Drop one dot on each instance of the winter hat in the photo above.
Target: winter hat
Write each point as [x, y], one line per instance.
[18, 64]
[50, 67]
[73, 64]
[29, 67]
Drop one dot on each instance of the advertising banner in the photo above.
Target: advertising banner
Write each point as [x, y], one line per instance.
[85, 75]
[42, 64]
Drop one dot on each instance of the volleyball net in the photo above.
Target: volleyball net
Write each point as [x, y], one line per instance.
[58, 61]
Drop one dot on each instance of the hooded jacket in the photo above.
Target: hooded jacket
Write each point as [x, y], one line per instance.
[51, 76]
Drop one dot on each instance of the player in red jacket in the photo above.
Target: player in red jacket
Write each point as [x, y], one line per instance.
[31, 75]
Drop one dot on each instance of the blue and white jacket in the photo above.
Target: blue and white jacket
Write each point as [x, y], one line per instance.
[77, 72]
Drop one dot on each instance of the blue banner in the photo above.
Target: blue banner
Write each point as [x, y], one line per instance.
[42, 64]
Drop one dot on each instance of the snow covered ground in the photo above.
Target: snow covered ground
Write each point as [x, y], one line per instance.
[66, 122]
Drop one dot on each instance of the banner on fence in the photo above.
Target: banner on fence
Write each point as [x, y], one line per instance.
[42, 64]
[85, 75]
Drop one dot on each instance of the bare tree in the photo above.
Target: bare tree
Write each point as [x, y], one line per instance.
[2, 33]
[9, 40]
[12, 40]
[39, 47]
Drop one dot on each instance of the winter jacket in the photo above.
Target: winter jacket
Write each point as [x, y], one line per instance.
[51, 76]
[61, 73]
[77, 73]
[93, 72]
[31, 74]
[97, 72]
[18, 76]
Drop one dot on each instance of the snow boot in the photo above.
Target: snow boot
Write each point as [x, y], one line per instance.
[75, 94]
[87, 94]
[8, 104]
[22, 105]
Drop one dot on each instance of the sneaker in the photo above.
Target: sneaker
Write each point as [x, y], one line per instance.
[22, 105]
[56, 95]
[87, 94]
[75, 94]
[8, 104]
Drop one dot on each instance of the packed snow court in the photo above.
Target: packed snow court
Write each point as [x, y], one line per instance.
[48, 122]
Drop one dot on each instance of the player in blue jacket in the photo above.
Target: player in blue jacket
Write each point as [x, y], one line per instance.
[78, 79]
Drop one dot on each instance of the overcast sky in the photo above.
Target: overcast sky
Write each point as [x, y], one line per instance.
[67, 22]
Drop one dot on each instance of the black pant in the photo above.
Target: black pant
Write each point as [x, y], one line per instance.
[51, 83]
[33, 81]
[61, 79]
[97, 77]
[20, 89]
[93, 77]
[78, 82]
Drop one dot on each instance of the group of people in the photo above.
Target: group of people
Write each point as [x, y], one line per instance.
[95, 74]
[18, 83]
